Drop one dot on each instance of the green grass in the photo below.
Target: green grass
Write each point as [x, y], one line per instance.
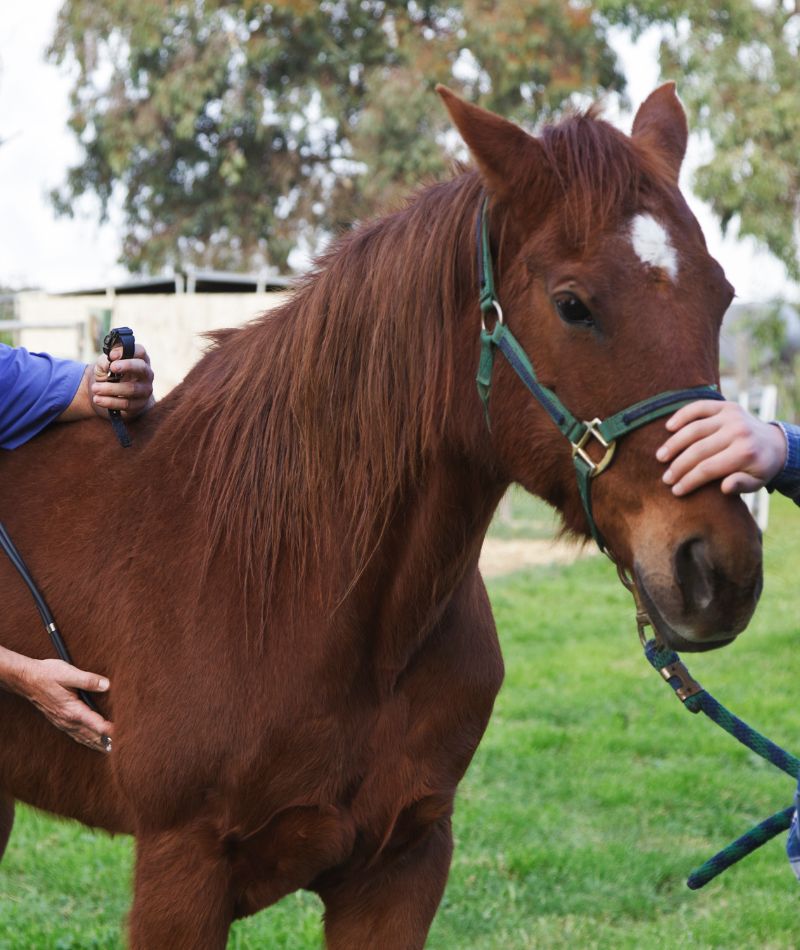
[589, 801]
[522, 516]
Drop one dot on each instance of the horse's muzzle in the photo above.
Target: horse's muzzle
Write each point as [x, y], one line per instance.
[701, 600]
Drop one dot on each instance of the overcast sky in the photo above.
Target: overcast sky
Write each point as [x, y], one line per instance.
[36, 249]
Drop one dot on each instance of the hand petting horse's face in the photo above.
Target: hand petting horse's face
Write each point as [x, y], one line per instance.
[605, 280]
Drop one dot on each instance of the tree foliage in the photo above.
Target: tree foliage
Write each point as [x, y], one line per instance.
[230, 132]
[737, 63]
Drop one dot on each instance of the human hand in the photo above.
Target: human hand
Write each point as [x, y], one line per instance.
[51, 686]
[720, 440]
[133, 393]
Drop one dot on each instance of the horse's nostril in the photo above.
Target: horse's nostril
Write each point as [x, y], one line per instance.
[694, 574]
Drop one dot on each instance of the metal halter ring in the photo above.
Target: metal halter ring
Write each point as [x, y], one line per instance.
[578, 448]
[499, 310]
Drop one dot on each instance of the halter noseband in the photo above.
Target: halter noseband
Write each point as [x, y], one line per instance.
[605, 431]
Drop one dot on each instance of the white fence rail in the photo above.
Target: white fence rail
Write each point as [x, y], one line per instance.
[762, 403]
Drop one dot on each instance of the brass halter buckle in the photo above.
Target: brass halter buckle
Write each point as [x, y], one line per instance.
[579, 448]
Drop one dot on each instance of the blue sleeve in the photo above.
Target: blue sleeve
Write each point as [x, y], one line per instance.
[35, 389]
[787, 481]
[793, 842]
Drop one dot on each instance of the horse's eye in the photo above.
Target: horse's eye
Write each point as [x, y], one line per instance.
[572, 309]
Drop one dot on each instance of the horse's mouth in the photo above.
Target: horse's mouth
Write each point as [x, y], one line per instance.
[672, 637]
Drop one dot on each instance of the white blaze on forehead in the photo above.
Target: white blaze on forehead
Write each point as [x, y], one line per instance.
[652, 244]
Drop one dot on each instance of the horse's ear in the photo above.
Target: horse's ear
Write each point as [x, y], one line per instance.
[508, 158]
[662, 122]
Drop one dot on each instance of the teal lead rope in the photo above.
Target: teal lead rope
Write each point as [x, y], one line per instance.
[696, 699]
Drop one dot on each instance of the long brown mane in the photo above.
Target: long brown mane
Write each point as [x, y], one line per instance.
[324, 410]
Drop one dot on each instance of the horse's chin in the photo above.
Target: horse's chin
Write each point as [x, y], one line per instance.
[683, 639]
[681, 645]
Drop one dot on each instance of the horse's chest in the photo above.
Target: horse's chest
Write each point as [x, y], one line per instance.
[370, 778]
[395, 783]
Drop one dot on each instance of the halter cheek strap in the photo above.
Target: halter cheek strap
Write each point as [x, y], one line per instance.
[579, 433]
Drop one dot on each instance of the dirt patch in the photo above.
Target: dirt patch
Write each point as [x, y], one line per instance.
[504, 557]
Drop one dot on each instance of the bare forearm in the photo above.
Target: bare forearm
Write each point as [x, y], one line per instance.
[81, 406]
[12, 666]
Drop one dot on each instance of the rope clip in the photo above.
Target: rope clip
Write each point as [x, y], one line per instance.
[688, 684]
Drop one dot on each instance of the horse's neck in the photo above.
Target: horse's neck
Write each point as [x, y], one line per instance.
[424, 532]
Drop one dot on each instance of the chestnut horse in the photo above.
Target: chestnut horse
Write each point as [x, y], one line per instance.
[301, 650]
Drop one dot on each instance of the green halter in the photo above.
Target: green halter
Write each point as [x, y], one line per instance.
[579, 434]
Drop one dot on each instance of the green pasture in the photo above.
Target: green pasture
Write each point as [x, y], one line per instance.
[591, 798]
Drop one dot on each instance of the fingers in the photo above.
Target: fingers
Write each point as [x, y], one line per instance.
[84, 725]
[131, 394]
[691, 434]
[116, 364]
[139, 352]
[73, 678]
[693, 447]
[715, 440]
[689, 423]
[739, 483]
[127, 395]
[699, 409]
[708, 461]
[51, 685]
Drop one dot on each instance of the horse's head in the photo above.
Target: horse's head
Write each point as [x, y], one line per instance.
[606, 283]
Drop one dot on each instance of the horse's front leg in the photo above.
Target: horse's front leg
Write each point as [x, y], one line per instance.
[182, 892]
[390, 906]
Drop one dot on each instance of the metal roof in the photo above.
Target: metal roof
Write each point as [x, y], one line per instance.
[191, 281]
